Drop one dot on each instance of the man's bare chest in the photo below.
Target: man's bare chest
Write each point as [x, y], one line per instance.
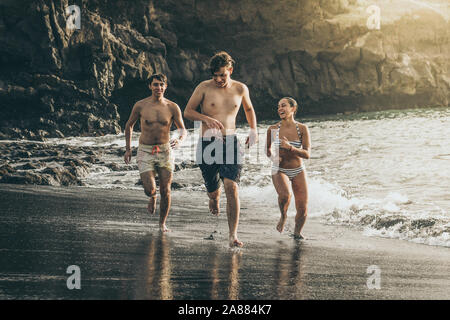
[156, 115]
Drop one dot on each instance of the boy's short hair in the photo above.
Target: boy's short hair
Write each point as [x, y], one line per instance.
[158, 76]
[219, 60]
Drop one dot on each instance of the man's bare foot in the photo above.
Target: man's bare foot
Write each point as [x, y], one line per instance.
[163, 228]
[234, 242]
[151, 207]
[214, 206]
[281, 223]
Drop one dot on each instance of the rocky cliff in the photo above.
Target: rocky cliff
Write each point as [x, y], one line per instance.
[57, 81]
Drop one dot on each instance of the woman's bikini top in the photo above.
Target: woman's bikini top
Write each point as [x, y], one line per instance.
[296, 144]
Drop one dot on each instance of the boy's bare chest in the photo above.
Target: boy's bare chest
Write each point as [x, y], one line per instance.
[216, 101]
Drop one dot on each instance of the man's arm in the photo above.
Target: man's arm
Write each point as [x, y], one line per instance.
[250, 116]
[135, 112]
[191, 113]
[179, 123]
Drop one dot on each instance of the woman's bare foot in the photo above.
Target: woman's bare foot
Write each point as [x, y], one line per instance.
[234, 242]
[163, 228]
[281, 223]
[214, 206]
[151, 207]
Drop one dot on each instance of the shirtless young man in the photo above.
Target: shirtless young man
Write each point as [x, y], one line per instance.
[220, 99]
[154, 154]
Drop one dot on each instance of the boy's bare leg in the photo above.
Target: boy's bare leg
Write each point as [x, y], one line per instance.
[233, 210]
[214, 202]
[165, 182]
[149, 183]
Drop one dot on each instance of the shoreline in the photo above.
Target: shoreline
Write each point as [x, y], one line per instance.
[122, 255]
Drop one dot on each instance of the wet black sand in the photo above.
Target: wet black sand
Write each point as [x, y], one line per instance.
[122, 255]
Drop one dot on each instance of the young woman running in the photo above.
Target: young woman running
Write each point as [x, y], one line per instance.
[292, 143]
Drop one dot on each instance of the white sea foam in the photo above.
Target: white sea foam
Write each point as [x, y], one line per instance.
[324, 198]
[397, 198]
[383, 217]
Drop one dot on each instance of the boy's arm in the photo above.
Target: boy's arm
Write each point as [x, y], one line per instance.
[179, 123]
[135, 112]
[250, 116]
[191, 113]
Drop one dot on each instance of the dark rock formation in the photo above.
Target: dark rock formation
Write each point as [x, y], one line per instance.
[185, 165]
[38, 163]
[43, 163]
[55, 81]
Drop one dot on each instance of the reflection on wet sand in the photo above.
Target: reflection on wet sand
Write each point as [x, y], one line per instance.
[289, 266]
[225, 270]
[215, 276]
[233, 287]
[168, 271]
[157, 270]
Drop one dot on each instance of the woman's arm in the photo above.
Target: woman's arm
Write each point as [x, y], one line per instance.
[302, 153]
[305, 152]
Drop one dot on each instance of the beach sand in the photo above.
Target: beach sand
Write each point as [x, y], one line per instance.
[122, 255]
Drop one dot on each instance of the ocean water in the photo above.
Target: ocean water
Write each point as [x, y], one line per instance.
[386, 173]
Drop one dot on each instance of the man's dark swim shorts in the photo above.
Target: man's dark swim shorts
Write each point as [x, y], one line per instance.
[219, 159]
